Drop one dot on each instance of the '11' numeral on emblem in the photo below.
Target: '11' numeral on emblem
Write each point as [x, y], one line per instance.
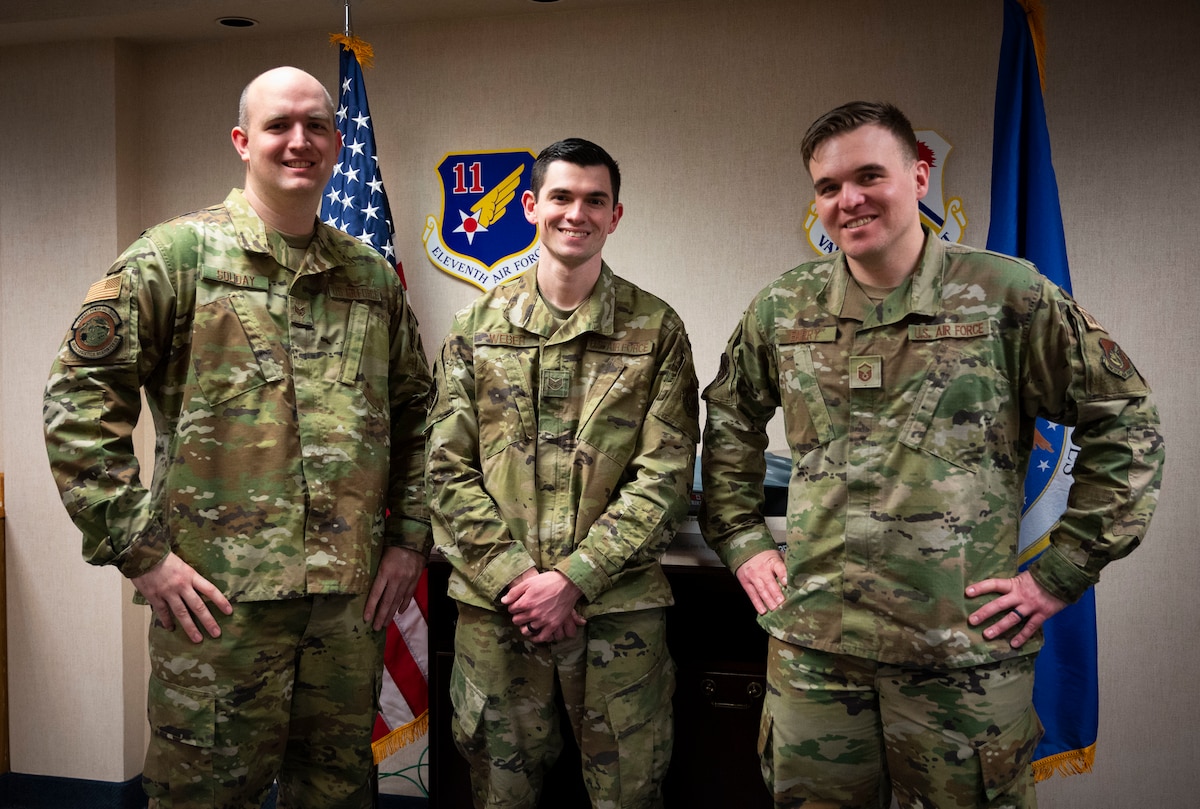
[460, 186]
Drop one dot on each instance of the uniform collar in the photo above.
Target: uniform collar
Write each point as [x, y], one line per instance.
[920, 293]
[527, 310]
[254, 236]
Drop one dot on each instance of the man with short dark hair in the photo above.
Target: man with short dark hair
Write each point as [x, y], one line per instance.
[561, 447]
[287, 382]
[910, 373]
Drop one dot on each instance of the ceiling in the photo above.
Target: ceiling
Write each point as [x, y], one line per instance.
[40, 21]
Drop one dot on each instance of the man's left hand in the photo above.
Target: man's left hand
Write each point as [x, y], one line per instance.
[394, 584]
[1027, 604]
[544, 606]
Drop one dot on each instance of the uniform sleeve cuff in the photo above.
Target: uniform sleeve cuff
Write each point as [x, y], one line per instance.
[141, 557]
[502, 570]
[736, 552]
[1057, 576]
[411, 534]
[590, 580]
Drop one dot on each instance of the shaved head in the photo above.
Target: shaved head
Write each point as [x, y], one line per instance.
[275, 77]
[289, 141]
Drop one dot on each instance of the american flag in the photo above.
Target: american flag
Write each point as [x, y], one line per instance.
[355, 202]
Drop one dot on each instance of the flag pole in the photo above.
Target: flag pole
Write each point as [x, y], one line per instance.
[355, 202]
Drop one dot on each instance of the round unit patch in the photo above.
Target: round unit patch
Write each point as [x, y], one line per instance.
[94, 334]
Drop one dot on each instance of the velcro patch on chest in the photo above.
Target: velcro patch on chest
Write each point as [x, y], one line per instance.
[950, 330]
[812, 334]
[620, 346]
[866, 372]
[236, 279]
[348, 292]
[556, 384]
[503, 338]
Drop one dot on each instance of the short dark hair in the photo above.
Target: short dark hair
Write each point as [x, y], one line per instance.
[849, 117]
[580, 152]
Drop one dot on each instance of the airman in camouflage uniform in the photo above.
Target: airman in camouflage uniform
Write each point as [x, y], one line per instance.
[910, 372]
[288, 388]
[561, 444]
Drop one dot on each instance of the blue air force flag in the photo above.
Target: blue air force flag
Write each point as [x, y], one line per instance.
[483, 236]
[1027, 222]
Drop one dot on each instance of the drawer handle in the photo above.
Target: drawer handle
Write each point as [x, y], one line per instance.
[754, 692]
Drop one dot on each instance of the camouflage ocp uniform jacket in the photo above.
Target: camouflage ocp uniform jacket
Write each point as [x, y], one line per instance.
[570, 449]
[288, 407]
[910, 427]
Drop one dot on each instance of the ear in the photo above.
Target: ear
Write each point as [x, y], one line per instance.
[618, 212]
[528, 201]
[240, 143]
[922, 178]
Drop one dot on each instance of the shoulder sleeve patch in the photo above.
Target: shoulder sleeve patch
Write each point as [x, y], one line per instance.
[1108, 371]
[96, 332]
[106, 289]
[1115, 360]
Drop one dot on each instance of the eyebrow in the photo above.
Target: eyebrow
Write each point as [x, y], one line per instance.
[876, 167]
[594, 193]
[321, 115]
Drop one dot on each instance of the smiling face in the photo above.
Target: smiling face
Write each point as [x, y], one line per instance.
[574, 212]
[867, 189]
[287, 140]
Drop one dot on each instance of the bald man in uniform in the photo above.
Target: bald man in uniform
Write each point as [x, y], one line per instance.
[286, 523]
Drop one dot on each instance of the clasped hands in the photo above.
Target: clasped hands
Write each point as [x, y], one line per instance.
[542, 606]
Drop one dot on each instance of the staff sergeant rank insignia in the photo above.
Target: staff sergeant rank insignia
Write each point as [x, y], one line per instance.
[94, 334]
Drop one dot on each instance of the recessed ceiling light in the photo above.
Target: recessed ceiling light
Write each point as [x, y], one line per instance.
[543, 1]
[236, 22]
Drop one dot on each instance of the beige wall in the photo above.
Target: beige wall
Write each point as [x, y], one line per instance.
[703, 104]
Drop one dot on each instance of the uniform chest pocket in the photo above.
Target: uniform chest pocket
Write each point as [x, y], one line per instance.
[805, 411]
[956, 411]
[234, 350]
[366, 355]
[615, 402]
[506, 413]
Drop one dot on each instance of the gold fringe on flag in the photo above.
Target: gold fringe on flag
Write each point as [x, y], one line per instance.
[361, 49]
[1035, 13]
[1072, 762]
[400, 737]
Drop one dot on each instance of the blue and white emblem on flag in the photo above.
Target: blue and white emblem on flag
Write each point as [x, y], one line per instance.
[947, 219]
[1047, 483]
[483, 236]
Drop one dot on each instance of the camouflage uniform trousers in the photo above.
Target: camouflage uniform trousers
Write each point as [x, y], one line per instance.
[841, 731]
[617, 679]
[289, 691]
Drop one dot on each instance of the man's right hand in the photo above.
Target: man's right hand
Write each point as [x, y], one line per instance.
[763, 577]
[176, 592]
